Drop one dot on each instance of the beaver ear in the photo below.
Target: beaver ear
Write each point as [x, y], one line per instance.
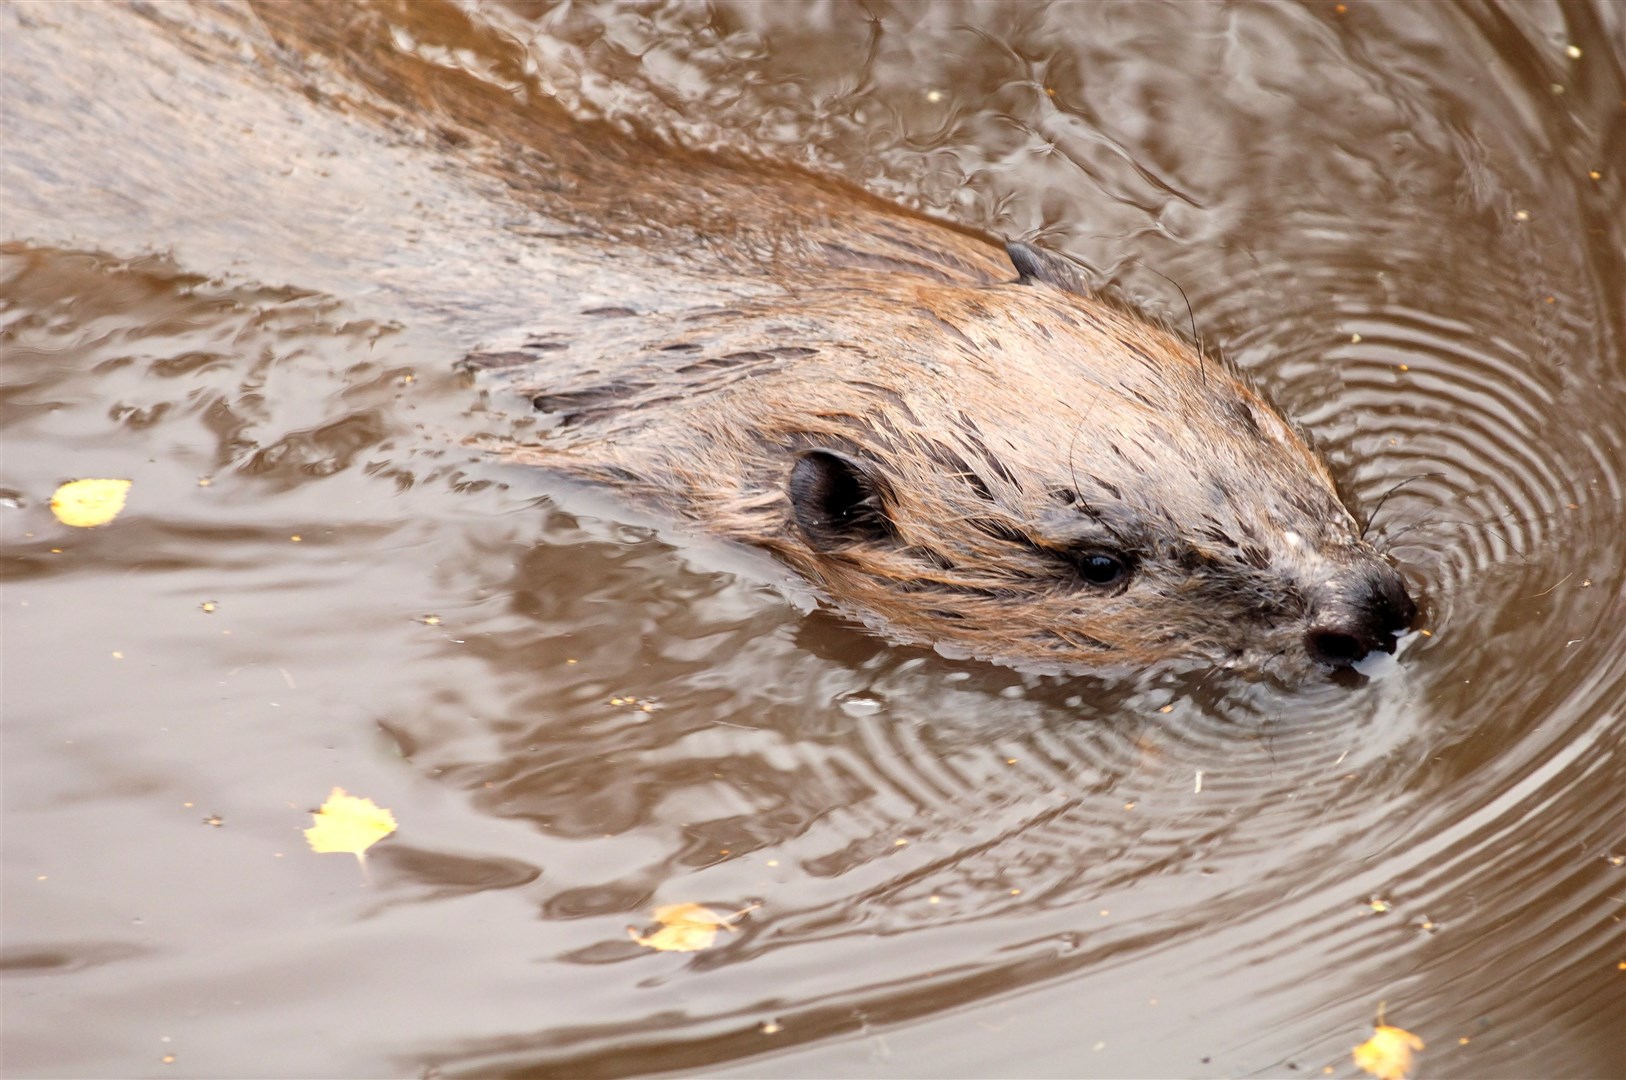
[839, 500]
[1034, 264]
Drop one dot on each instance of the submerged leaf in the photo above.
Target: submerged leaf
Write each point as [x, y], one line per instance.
[88, 503]
[1387, 1054]
[346, 823]
[684, 928]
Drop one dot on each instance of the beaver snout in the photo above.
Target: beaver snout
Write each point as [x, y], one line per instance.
[1359, 613]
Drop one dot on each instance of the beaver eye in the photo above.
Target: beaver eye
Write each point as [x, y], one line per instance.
[1102, 568]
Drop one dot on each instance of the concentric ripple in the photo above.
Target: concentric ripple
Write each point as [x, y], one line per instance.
[1387, 215]
[1461, 382]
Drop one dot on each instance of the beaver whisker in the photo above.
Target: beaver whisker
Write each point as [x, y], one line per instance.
[1195, 339]
[1072, 444]
[1373, 515]
[1430, 519]
[1392, 540]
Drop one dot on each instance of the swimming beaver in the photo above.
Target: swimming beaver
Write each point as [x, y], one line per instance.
[992, 463]
[951, 442]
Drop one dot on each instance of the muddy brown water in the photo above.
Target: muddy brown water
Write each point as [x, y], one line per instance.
[243, 248]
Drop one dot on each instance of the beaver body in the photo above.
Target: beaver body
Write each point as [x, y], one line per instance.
[947, 438]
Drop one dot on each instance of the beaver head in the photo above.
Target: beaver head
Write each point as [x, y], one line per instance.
[1002, 469]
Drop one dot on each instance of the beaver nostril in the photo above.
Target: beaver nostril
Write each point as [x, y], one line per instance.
[1335, 647]
[1359, 614]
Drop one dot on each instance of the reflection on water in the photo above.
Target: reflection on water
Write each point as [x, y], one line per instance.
[240, 277]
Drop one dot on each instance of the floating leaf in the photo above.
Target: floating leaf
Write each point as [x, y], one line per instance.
[346, 823]
[87, 503]
[684, 928]
[1387, 1054]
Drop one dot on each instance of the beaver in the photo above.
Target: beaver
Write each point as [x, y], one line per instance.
[954, 442]
[983, 458]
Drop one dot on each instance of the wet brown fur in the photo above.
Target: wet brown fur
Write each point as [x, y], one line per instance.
[774, 358]
[710, 327]
[1009, 426]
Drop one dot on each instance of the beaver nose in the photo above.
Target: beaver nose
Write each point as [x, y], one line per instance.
[1358, 615]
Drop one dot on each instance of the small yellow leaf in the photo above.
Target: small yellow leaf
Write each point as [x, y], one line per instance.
[1387, 1054]
[346, 823]
[87, 503]
[684, 928]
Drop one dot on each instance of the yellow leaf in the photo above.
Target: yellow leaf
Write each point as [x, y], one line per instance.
[346, 823]
[86, 503]
[684, 928]
[1387, 1054]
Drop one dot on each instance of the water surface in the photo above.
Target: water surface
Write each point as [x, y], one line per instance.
[243, 249]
